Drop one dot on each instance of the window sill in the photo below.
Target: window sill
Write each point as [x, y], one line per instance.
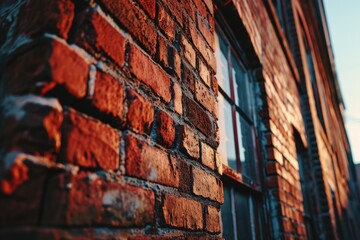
[236, 178]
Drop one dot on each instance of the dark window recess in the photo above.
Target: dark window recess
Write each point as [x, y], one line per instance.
[307, 182]
[310, 63]
[240, 213]
[280, 6]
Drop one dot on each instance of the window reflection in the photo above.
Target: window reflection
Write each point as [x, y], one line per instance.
[227, 143]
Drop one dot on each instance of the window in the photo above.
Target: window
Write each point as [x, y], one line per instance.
[242, 209]
[310, 63]
[236, 122]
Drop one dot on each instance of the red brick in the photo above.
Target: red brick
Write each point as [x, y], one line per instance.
[21, 189]
[189, 51]
[46, 65]
[206, 30]
[150, 163]
[188, 142]
[207, 186]
[197, 116]
[166, 23]
[177, 98]
[202, 46]
[212, 219]
[207, 156]
[218, 163]
[185, 177]
[205, 98]
[182, 212]
[40, 16]
[165, 129]
[214, 84]
[89, 143]
[135, 21]
[108, 95]
[98, 36]
[188, 78]
[169, 57]
[42, 119]
[204, 73]
[273, 181]
[150, 73]
[175, 8]
[88, 200]
[149, 6]
[189, 7]
[140, 114]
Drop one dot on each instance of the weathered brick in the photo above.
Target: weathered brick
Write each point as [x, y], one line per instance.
[41, 117]
[204, 73]
[140, 114]
[21, 178]
[98, 36]
[189, 52]
[190, 8]
[197, 116]
[212, 219]
[177, 98]
[87, 200]
[150, 73]
[206, 30]
[205, 98]
[175, 9]
[169, 57]
[165, 129]
[188, 142]
[150, 163]
[108, 95]
[89, 143]
[202, 46]
[182, 212]
[188, 78]
[207, 156]
[44, 66]
[166, 23]
[185, 177]
[135, 21]
[149, 6]
[40, 16]
[218, 163]
[207, 186]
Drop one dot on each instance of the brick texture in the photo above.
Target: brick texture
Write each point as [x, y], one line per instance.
[110, 122]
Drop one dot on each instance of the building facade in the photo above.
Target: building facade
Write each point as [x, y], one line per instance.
[169, 119]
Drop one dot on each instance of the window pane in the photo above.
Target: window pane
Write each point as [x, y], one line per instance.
[246, 146]
[226, 129]
[222, 67]
[227, 216]
[243, 217]
[240, 86]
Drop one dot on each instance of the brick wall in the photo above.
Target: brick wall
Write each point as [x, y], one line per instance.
[109, 111]
[108, 122]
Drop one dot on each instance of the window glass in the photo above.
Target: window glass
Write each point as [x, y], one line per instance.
[240, 86]
[246, 149]
[227, 215]
[243, 223]
[222, 68]
[227, 143]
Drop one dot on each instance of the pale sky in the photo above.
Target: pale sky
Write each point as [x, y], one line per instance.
[343, 17]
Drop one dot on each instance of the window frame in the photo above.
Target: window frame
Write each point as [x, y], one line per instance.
[235, 52]
[250, 188]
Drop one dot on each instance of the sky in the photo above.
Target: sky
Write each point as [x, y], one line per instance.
[343, 17]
